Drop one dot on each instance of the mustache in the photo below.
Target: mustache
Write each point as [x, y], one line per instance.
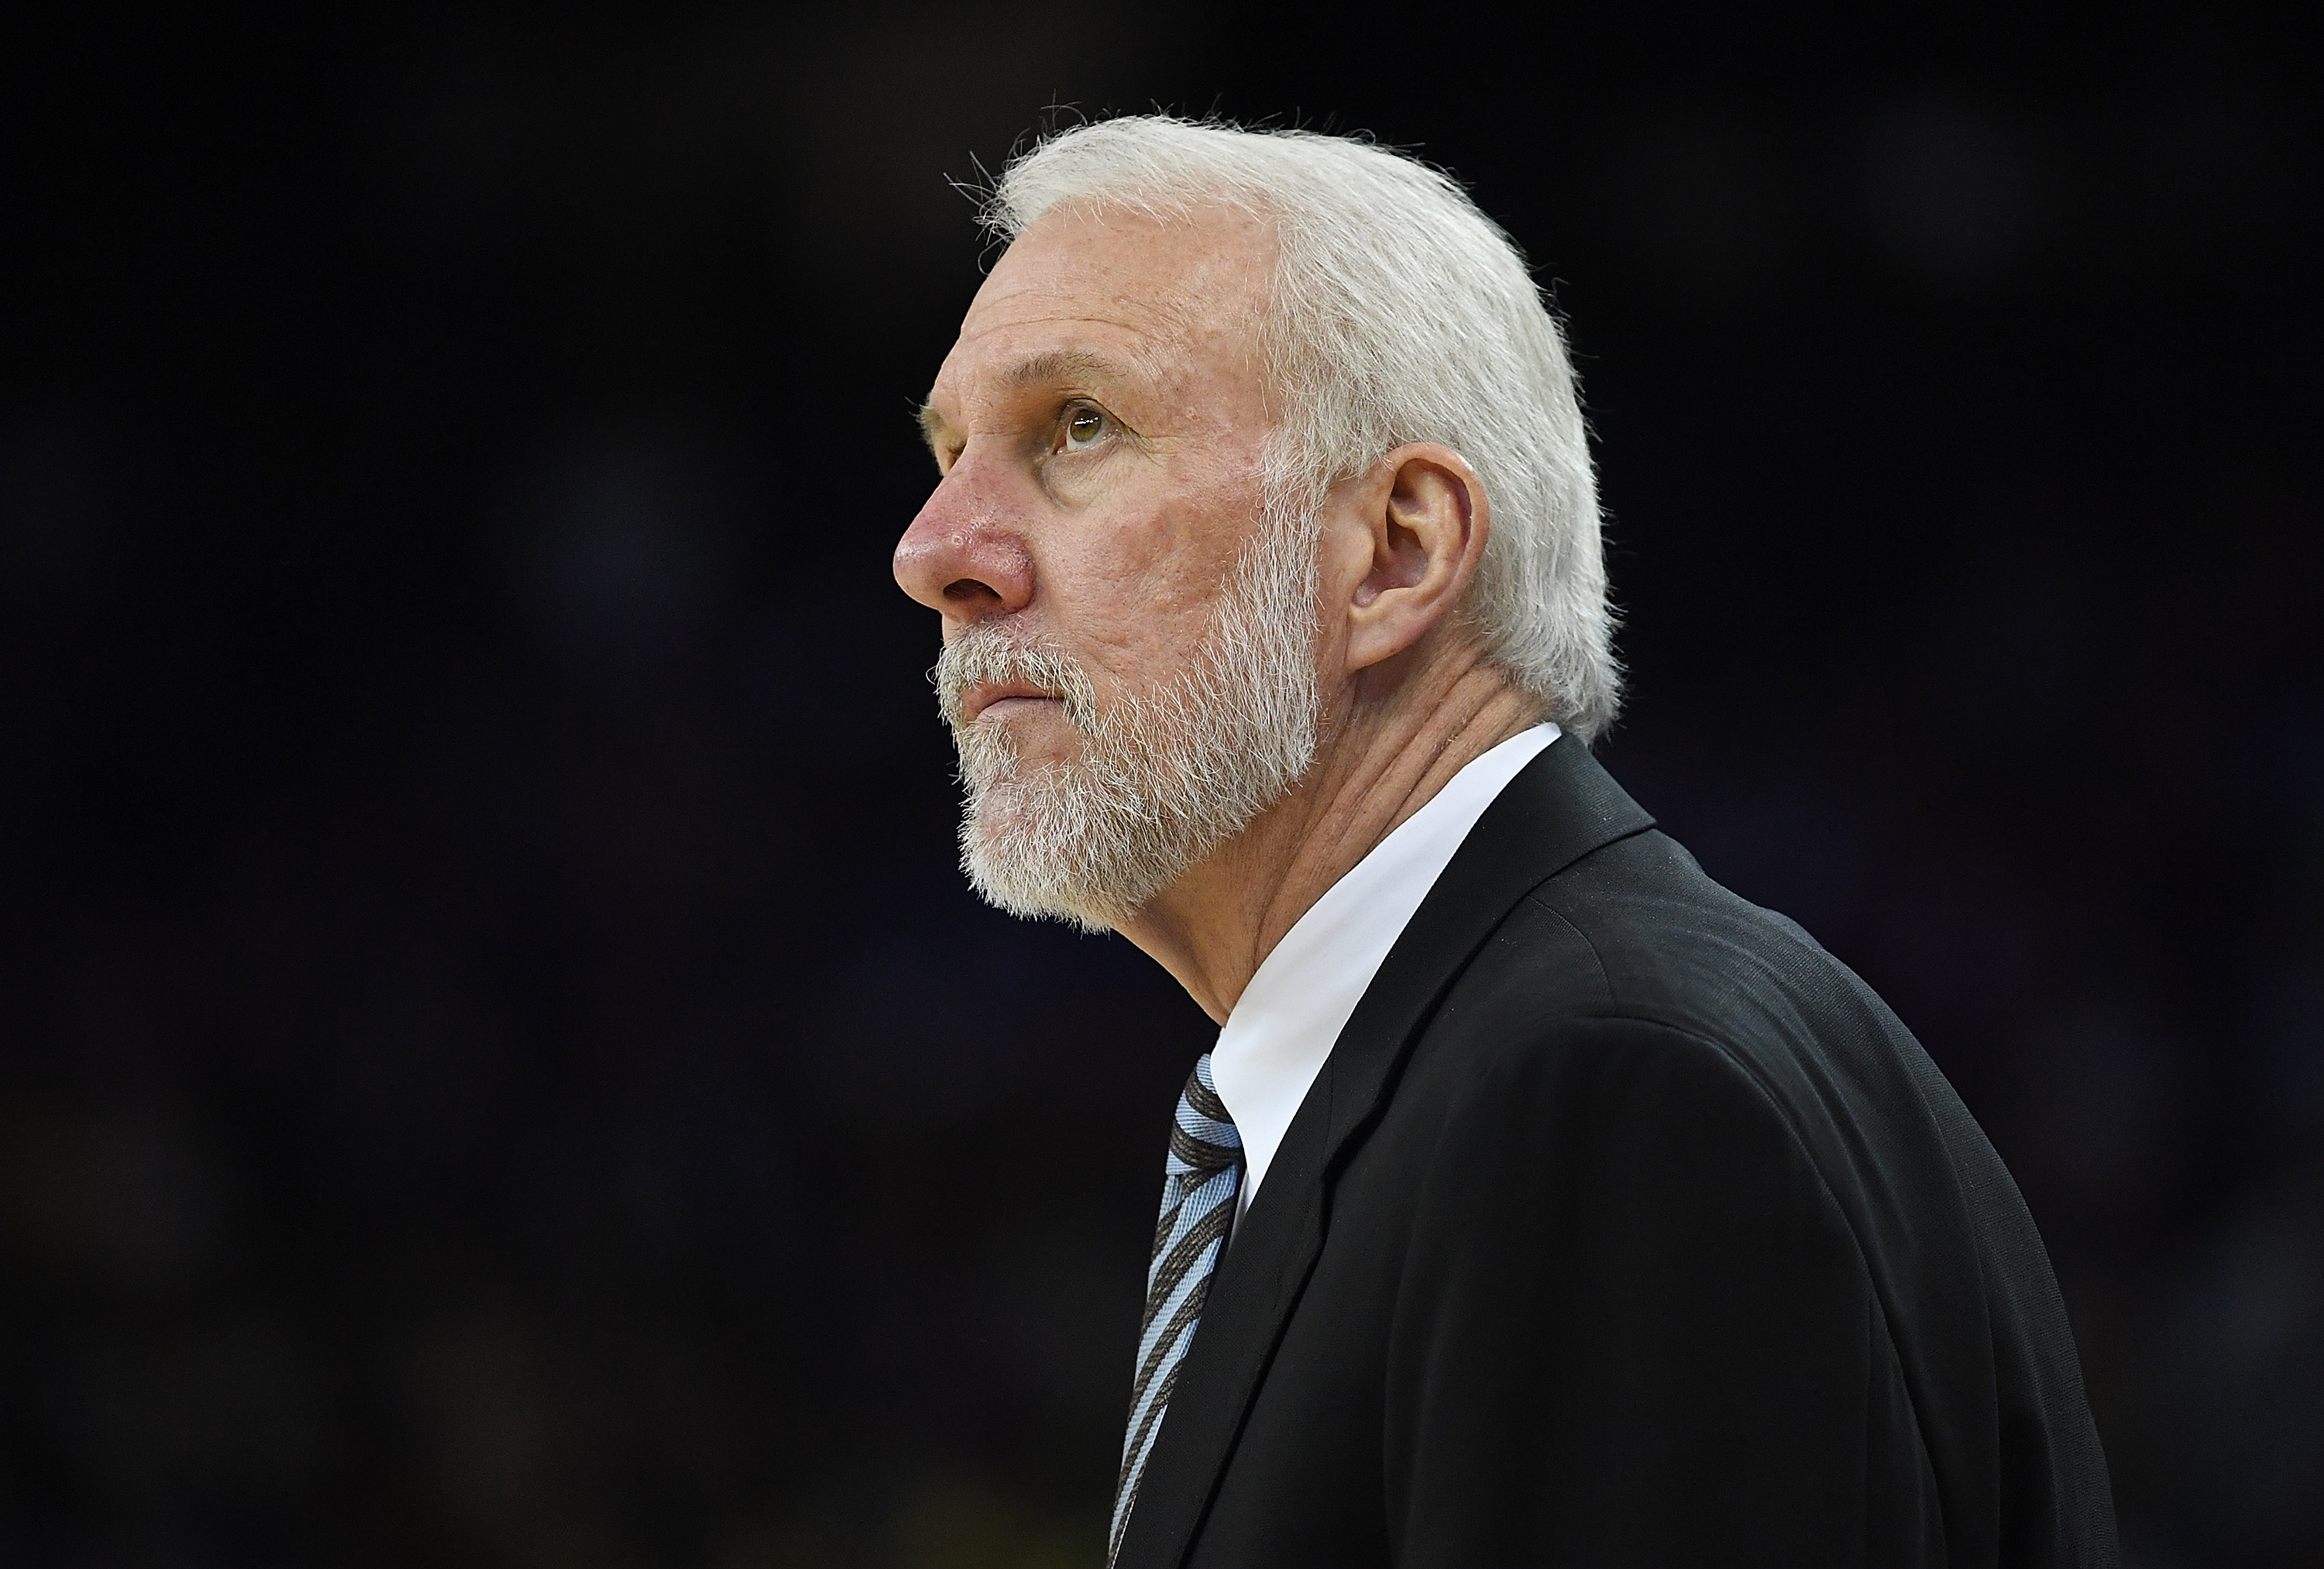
[986, 654]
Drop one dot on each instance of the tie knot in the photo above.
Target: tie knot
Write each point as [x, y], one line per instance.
[1198, 1208]
[1203, 1141]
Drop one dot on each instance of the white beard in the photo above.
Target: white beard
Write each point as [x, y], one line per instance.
[1163, 777]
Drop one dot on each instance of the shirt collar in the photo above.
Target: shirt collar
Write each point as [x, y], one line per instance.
[1284, 1026]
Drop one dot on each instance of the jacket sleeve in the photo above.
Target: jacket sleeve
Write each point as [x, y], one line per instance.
[1634, 1328]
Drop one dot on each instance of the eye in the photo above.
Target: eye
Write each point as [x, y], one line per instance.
[1084, 425]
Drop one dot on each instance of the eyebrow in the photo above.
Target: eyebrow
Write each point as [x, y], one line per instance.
[1043, 369]
[1057, 365]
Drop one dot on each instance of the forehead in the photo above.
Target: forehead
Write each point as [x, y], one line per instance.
[1159, 300]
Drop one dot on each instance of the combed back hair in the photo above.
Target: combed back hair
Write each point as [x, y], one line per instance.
[1398, 312]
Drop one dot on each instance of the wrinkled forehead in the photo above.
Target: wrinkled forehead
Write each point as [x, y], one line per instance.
[1171, 296]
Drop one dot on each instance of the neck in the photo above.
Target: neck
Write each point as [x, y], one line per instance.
[1389, 747]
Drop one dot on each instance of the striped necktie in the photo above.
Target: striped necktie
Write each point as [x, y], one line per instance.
[1205, 1171]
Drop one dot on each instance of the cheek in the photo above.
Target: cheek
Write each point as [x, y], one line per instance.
[1135, 600]
[1133, 588]
[1131, 603]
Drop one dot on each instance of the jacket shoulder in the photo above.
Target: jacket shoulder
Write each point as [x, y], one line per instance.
[1638, 931]
[1632, 971]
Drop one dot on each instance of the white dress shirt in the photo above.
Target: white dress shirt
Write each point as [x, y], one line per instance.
[1283, 1027]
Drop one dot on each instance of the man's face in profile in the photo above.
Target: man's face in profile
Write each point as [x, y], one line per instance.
[1128, 664]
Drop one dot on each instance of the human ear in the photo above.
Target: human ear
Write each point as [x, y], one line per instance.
[1425, 512]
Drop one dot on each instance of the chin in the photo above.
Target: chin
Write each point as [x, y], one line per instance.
[1038, 738]
[1005, 815]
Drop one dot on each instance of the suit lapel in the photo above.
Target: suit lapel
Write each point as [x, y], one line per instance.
[1560, 808]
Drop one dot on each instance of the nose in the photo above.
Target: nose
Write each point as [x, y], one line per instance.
[963, 557]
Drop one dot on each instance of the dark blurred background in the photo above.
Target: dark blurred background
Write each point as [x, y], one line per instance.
[499, 1065]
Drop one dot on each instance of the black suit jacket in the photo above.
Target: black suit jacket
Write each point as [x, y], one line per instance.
[1624, 1225]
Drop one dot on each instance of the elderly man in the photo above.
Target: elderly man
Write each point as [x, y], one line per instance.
[1541, 1202]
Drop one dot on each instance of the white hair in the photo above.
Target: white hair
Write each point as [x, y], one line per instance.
[1398, 312]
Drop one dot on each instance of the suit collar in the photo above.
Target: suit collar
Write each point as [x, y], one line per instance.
[1558, 809]
[1293, 1010]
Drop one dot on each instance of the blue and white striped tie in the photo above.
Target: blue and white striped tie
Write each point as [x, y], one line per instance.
[1205, 1172]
